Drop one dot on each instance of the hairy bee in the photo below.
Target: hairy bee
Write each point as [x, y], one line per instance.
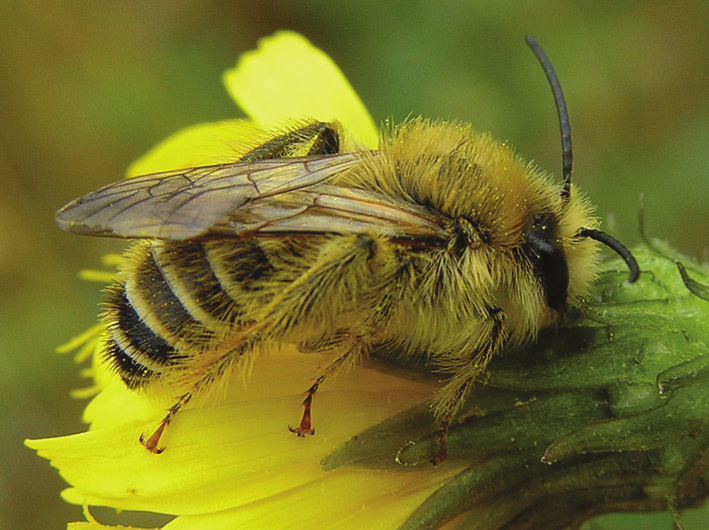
[441, 243]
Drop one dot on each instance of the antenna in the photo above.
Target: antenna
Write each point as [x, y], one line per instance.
[567, 164]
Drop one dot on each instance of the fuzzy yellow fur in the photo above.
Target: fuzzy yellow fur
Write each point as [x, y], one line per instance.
[348, 293]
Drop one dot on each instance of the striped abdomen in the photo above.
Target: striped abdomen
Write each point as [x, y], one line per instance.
[176, 300]
[179, 299]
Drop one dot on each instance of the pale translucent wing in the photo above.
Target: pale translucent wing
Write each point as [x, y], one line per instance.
[332, 209]
[286, 195]
[184, 204]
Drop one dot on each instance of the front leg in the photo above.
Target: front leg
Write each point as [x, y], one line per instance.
[451, 397]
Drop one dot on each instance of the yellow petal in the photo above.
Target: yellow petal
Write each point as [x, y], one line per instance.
[94, 525]
[344, 501]
[84, 342]
[199, 145]
[93, 275]
[287, 79]
[237, 455]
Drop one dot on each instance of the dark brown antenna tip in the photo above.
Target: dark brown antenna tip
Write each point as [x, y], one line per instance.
[566, 155]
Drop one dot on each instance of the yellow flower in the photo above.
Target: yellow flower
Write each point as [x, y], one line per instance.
[607, 412]
[231, 462]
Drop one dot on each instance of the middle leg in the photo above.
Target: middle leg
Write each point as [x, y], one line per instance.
[336, 305]
[352, 353]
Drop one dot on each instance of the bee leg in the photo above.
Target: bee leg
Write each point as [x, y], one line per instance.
[346, 267]
[319, 138]
[342, 362]
[305, 426]
[450, 398]
[461, 389]
[442, 442]
[151, 443]
[214, 370]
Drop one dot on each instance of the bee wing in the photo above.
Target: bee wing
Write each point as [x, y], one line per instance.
[284, 195]
[332, 209]
[184, 204]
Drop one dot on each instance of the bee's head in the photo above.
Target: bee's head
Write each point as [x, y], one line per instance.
[549, 260]
[541, 237]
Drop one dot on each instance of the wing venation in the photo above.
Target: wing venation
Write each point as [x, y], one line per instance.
[284, 195]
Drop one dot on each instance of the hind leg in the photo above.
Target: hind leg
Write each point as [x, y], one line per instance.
[237, 350]
[151, 443]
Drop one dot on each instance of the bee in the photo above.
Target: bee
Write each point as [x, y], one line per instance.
[440, 243]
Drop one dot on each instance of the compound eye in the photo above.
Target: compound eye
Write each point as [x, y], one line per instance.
[550, 264]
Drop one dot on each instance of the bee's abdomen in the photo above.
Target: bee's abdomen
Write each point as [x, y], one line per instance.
[189, 275]
[171, 305]
[136, 352]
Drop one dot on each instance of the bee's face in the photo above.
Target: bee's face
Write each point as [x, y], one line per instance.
[543, 249]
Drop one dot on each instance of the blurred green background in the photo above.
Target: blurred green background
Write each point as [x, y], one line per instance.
[86, 87]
